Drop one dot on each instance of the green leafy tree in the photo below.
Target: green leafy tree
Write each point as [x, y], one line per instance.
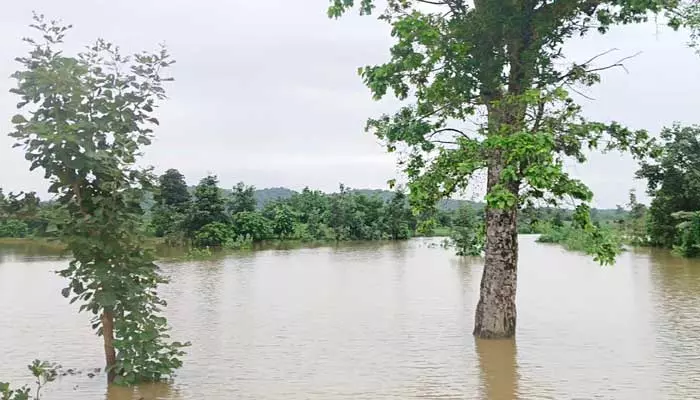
[283, 221]
[84, 122]
[13, 228]
[19, 215]
[503, 61]
[398, 218]
[468, 236]
[689, 233]
[339, 213]
[43, 373]
[673, 182]
[252, 224]
[635, 225]
[172, 200]
[242, 199]
[309, 205]
[208, 206]
[172, 190]
[213, 234]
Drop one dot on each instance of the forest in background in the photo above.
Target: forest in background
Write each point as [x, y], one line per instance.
[207, 216]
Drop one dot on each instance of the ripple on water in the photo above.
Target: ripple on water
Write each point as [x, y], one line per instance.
[384, 321]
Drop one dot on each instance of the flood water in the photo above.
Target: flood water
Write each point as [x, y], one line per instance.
[382, 321]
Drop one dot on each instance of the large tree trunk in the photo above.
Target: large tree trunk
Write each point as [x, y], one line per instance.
[108, 336]
[495, 313]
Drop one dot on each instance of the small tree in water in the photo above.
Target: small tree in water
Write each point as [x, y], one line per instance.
[85, 121]
[501, 60]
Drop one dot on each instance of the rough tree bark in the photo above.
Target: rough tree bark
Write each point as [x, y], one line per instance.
[108, 336]
[495, 313]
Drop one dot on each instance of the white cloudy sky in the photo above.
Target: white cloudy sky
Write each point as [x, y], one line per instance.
[266, 91]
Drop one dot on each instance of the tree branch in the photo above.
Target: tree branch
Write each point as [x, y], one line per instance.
[449, 130]
[435, 3]
[580, 68]
[580, 93]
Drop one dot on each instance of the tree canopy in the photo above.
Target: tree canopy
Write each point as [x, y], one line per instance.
[486, 91]
[83, 120]
[673, 180]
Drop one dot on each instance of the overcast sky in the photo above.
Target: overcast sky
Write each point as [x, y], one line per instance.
[266, 91]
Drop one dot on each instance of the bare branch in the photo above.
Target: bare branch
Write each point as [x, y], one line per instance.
[450, 130]
[580, 68]
[618, 63]
[580, 93]
[435, 3]
[597, 56]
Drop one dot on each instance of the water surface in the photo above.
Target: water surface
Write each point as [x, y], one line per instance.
[382, 321]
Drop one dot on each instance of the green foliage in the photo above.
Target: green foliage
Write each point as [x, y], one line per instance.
[353, 216]
[209, 206]
[43, 372]
[242, 199]
[167, 221]
[634, 226]
[172, 190]
[673, 180]
[689, 234]
[84, 122]
[398, 218]
[603, 243]
[12, 228]
[198, 253]
[172, 202]
[213, 234]
[306, 216]
[309, 205]
[503, 61]
[690, 18]
[468, 234]
[22, 215]
[252, 224]
[283, 221]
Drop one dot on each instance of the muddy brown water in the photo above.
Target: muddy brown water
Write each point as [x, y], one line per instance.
[382, 321]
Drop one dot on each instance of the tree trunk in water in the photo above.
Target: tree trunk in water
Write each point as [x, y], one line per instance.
[495, 313]
[108, 336]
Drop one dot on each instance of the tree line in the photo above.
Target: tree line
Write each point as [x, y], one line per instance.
[670, 221]
[212, 217]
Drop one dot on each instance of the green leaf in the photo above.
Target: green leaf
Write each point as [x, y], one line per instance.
[18, 119]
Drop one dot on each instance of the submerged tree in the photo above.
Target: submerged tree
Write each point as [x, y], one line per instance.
[172, 201]
[208, 205]
[673, 181]
[172, 190]
[467, 233]
[85, 120]
[500, 62]
[242, 199]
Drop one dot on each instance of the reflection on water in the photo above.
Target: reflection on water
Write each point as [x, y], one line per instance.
[159, 391]
[498, 368]
[382, 321]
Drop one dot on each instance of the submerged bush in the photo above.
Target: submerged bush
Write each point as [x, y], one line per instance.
[597, 240]
[689, 234]
[214, 234]
[44, 372]
[13, 228]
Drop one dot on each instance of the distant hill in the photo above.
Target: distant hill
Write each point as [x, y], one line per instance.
[264, 196]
